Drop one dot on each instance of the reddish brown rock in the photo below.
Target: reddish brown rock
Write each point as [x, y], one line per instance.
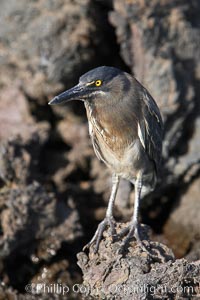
[182, 227]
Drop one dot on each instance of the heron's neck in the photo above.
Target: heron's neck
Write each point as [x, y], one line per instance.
[101, 113]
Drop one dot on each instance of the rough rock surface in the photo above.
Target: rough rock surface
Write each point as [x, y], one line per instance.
[137, 275]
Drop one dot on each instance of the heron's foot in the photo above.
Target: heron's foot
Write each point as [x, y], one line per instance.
[133, 231]
[108, 221]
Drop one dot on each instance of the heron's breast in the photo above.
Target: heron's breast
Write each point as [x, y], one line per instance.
[112, 128]
[113, 135]
[113, 150]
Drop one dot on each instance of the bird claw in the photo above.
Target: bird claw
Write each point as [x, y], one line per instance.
[133, 231]
[108, 221]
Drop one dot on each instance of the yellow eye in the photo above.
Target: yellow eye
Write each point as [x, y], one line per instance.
[98, 82]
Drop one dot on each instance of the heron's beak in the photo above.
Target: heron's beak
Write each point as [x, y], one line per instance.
[76, 93]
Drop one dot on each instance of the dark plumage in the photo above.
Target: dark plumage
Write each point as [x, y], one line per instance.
[126, 131]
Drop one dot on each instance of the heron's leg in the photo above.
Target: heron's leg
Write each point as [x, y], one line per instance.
[133, 229]
[109, 220]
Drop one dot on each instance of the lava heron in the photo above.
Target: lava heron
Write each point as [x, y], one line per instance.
[126, 130]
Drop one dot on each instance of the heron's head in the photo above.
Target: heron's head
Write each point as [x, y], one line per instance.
[101, 84]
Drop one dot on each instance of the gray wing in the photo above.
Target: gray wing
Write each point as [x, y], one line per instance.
[150, 129]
